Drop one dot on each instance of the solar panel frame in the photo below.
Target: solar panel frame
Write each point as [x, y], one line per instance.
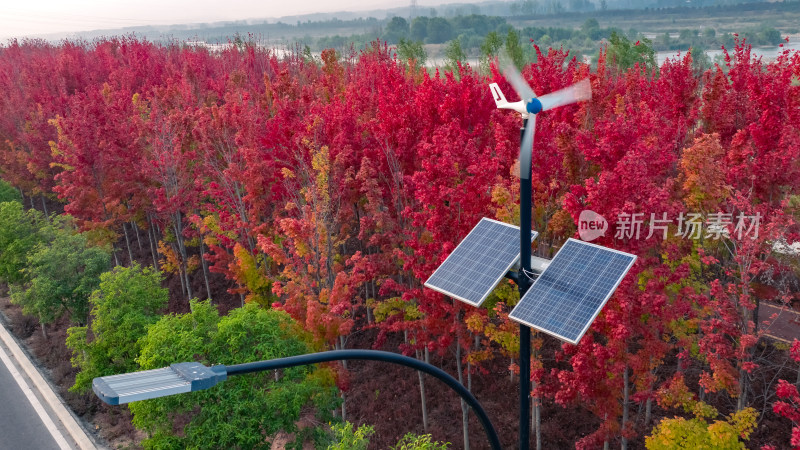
[537, 299]
[453, 263]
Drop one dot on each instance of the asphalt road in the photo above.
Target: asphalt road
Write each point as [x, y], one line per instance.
[782, 324]
[21, 428]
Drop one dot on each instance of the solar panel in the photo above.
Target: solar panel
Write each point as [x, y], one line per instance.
[479, 262]
[569, 294]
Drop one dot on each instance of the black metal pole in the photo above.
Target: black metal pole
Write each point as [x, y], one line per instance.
[523, 285]
[375, 355]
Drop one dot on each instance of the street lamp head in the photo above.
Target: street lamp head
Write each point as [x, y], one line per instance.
[178, 378]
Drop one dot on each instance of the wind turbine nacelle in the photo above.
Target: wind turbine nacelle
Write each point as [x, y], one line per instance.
[533, 106]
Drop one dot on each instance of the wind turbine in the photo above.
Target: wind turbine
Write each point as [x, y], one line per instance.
[528, 107]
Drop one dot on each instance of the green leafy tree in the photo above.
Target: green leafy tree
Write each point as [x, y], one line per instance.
[419, 28]
[700, 60]
[347, 438]
[514, 48]
[244, 411]
[591, 29]
[491, 45]
[413, 441]
[63, 271]
[412, 52]
[625, 54]
[698, 432]
[453, 54]
[126, 303]
[664, 41]
[439, 30]
[769, 35]
[19, 234]
[687, 36]
[396, 30]
[8, 193]
[490, 48]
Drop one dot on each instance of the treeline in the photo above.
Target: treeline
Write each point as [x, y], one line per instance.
[330, 188]
[474, 36]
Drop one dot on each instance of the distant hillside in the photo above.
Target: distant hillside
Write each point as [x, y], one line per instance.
[784, 16]
[519, 13]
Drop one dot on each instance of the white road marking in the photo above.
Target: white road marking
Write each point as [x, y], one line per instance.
[780, 311]
[37, 406]
[71, 426]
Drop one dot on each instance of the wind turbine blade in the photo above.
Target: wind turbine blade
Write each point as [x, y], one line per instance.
[515, 78]
[578, 92]
[526, 148]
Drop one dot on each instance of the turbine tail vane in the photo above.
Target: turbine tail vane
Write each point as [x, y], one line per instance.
[497, 94]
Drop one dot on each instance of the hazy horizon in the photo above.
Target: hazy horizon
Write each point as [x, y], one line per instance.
[47, 17]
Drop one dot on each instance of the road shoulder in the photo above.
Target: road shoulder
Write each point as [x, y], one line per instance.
[60, 414]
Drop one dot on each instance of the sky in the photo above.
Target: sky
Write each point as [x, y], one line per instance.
[23, 18]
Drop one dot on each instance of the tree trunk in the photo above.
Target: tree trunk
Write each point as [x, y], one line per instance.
[183, 283]
[204, 264]
[136, 230]
[44, 331]
[188, 283]
[464, 410]
[127, 243]
[625, 393]
[177, 227]
[44, 207]
[344, 365]
[797, 382]
[151, 236]
[648, 410]
[344, 408]
[536, 416]
[741, 402]
[422, 395]
[369, 287]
